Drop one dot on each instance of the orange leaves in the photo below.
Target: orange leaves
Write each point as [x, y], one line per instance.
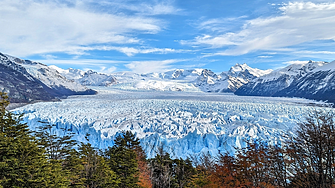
[144, 175]
[256, 166]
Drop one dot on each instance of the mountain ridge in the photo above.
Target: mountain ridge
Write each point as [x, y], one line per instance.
[26, 81]
[174, 80]
[312, 80]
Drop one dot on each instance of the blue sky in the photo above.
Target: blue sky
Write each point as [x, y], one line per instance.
[154, 35]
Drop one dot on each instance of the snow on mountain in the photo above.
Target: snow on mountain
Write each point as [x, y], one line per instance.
[26, 81]
[49, 76]
[328, 66]
[239, 69]
[173, 80]
[91, 78]
[159, 85]
[20, 86]
[291, 71]
[88, 78]
[230, 81]
[312, 80]
[71, 74]
[318, 84]
[190, 80]
[178, 74]
[176, 80]
[185, 124]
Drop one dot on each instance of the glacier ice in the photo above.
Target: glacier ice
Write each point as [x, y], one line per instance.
[184, 123]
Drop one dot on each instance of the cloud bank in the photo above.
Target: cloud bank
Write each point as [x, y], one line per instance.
[37, 27]
[299, 22]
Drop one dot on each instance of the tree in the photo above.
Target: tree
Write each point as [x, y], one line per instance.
[57, 147]
[183, 172]
[122, 159]
[95, 172]
[279, 162]
[74, 166]
[161, 169]
[205, 167]
[144, 171]
[226, 173]
[312, 151]
[22, 162]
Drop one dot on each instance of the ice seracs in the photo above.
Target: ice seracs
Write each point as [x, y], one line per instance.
[185, 124]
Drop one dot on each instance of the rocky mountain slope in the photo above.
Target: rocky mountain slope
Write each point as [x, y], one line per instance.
[27, 81]
[19, 84]
[311, 80]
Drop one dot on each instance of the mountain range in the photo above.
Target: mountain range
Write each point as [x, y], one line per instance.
[27, 81]
[174, 80]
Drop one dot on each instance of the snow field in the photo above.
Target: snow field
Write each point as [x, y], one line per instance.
[183, 123]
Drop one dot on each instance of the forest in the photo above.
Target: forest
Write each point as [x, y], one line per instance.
[42, 159]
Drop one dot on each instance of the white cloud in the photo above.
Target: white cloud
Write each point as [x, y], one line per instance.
[81, 62]
[151, 66]
[317, 52]
[38, 27]
[299, 22]
[219, 24]
[264, 56]
[143, 8]
[107, 70]
[129, 51]
[295, 62]
[48, 56]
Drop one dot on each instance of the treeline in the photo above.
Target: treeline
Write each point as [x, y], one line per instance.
[43, 159]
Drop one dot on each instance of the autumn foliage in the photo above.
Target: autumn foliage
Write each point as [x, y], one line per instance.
[306, 160]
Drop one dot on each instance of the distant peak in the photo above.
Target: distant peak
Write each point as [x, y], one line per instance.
[90, 72]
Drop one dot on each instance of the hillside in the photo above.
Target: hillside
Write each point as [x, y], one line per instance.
[26, 81]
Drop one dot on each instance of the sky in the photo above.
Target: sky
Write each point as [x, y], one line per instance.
[159, 35]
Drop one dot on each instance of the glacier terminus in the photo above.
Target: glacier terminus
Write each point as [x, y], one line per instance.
[183, 123]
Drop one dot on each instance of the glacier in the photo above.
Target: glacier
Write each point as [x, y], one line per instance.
[183, 123]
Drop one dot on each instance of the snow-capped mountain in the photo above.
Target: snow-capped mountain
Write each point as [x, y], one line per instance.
[230, 81]
[91, 78]
[19, 84]
[246, 72]
[35, 81]
[177, 74]
[312, 80]
[178, 80]
[88, 78]
[70, 73]
[189, 80]
[173, 80]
